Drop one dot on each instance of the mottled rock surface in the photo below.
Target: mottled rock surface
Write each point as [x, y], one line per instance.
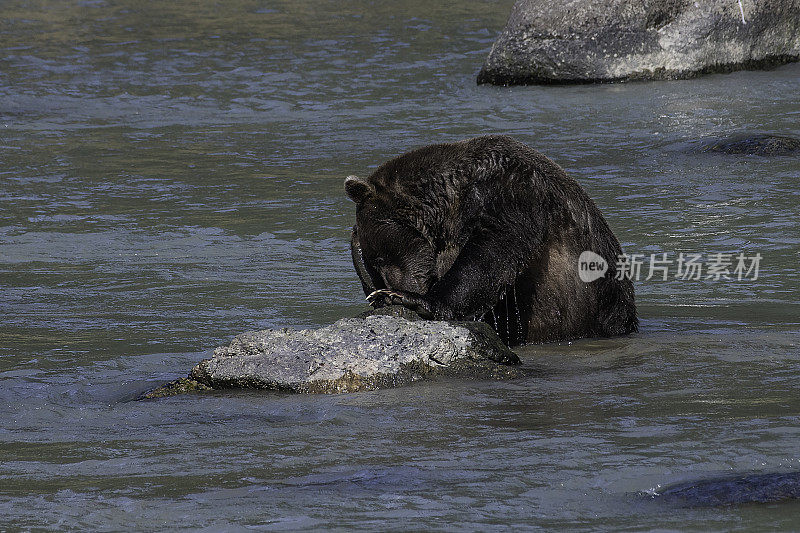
[733, 490]
[582, 41]
[178, 386]
[380, 349]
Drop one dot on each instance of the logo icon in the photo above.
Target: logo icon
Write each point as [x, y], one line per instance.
[591, 266]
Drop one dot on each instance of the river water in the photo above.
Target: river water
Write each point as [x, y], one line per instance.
[172, 176]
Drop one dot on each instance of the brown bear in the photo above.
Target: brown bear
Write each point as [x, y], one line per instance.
[488, 229]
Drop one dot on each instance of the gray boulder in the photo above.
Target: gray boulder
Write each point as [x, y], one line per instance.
[581, 41]
[380, 349]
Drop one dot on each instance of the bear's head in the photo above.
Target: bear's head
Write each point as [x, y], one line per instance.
[395, 254]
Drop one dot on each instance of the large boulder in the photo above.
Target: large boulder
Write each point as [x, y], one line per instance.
[380, 349]
[581, 41]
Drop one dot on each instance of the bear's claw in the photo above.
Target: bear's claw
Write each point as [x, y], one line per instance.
[385, 294]
[383, 297]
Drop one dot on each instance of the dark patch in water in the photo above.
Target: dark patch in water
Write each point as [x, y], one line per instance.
[753, 144]
[732, 490]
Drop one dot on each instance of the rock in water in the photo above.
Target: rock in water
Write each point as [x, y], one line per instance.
[581, 41]
[733, 490]
[378, 350]
[754, 144]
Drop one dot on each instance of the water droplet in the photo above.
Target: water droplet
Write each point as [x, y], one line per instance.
[519, 317]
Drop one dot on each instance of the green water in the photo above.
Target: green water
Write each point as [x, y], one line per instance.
[172, 176]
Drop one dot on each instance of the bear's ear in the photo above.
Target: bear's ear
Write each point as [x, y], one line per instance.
[357, 189]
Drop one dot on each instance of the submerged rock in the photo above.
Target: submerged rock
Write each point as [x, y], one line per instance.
[582, 41]
[379, 349]
[754, 144]
[178, 386]
[733, 490]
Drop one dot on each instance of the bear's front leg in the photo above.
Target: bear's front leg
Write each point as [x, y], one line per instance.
[488, 262]
[414, 302]
[370, 280]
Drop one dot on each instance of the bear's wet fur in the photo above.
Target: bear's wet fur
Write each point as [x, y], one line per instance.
[488, 229]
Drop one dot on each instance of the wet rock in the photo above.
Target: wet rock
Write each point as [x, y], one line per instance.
[178, 386]
[585, 41]
[379, 349]
[754, 144]
[733, 490]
